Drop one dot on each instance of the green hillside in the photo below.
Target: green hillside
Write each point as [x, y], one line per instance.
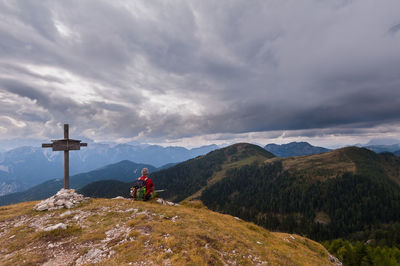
[189, 178]
[324, 196]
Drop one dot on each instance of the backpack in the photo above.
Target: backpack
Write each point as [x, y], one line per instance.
[138, 191]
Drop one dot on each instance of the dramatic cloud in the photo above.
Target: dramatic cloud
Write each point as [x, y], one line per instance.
[175, 71]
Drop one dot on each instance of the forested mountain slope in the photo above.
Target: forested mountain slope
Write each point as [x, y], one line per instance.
[189, 178]
[324, 196]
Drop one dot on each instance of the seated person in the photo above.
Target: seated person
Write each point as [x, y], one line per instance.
[143, 187]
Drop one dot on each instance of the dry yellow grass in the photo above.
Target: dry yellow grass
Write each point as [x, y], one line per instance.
[319, 166]
[124, 232]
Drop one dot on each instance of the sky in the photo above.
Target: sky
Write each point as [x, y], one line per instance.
[193, 73]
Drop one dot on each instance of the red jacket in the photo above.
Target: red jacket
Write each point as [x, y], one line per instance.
[149, 184]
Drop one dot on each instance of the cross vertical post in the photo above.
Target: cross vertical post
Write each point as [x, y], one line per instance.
[65, 145]
[66, 158]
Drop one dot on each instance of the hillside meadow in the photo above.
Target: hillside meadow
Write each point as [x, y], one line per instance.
[124, 232]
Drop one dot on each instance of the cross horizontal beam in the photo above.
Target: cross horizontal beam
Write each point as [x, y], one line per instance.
[65, 145]
[47, 145]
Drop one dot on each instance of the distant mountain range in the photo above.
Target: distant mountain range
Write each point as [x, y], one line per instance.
[294, 149]
[23, 167]
[384, 148]
[305, 148]
[123, 171]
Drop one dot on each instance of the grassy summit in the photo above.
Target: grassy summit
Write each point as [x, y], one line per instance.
[123, 232]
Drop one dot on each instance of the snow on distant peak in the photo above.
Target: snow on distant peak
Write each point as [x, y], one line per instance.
[50, 155]
[4, 168]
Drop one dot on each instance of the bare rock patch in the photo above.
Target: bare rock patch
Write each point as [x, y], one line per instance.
[65, 198]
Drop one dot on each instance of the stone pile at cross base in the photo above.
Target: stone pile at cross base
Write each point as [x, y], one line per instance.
[65, 198]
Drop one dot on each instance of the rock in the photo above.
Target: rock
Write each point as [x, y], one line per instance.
[94, 255]
[119, 197]
[68, 204]
[161, 201]
[173, 219]
[164, 202]
[41, 207]
[65, 213]
[67, 198]
[59, 202]
[334, 260]
[57, 226]
[112, 252]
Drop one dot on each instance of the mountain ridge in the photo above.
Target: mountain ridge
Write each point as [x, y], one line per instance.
[205, 170]
[201, 169]
[294, 149]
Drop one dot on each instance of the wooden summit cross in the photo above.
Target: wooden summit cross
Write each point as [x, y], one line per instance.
[65, 145]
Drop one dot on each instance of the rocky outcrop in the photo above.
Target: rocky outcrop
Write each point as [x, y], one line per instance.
[65, 198]
[335, 260]
[164, 202]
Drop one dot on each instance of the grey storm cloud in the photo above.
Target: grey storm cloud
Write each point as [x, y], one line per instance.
[176, 69]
